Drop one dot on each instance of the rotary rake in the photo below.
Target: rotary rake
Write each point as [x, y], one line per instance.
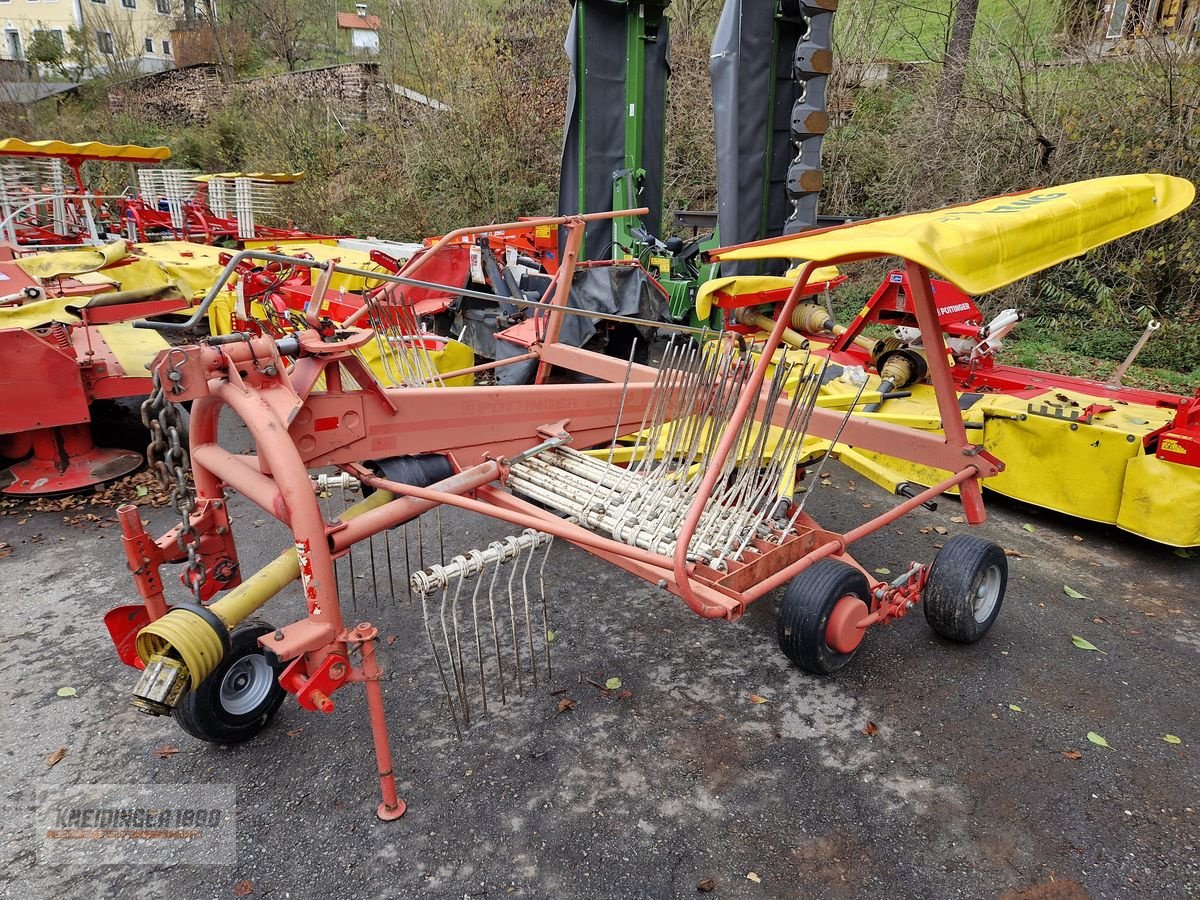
[663, 472]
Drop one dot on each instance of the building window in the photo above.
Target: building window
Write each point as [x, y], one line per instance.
[164, 7]
[149, 45]
[104, 42]
[129, 4]
[166, 48]
[13, 43]
[55, 35]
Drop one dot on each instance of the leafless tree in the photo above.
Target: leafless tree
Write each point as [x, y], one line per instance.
[954, 65]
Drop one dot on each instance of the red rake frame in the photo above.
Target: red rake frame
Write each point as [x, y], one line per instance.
[481, 430]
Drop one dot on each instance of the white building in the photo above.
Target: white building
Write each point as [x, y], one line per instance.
[364, 29]
[127, 36]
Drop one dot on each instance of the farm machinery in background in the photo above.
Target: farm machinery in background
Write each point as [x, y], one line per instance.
[1096, 450]
[73, 288]
[1099, 451]
[46, 200]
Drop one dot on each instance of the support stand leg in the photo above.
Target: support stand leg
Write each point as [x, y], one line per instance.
[392, 806]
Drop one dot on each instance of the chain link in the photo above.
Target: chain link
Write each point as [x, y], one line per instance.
[168, 458]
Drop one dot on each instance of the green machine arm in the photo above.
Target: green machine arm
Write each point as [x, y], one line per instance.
[616, 107]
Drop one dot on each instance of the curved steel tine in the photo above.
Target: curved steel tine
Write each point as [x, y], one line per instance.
[437, 657]
[446, 636]
[495, 629]
[545, 609]
[477, 557]
[512, 612]
[528, 617]
[460, 675]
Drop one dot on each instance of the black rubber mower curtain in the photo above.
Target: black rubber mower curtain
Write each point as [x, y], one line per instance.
[597, 89]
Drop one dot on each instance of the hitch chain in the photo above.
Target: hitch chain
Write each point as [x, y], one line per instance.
[169, 460]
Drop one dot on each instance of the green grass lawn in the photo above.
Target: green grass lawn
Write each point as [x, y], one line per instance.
[915, 30]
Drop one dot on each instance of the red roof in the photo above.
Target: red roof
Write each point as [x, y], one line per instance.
[353, 20]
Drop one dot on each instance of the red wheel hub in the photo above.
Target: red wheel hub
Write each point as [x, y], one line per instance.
[842, 634]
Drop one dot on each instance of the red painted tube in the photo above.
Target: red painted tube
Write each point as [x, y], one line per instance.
[237, 472]
[405, 509]
[745, 405]
[838, 546]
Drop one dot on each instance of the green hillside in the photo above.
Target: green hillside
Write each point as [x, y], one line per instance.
[915, 30]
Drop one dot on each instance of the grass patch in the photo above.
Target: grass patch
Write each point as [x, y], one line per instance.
[915, 30]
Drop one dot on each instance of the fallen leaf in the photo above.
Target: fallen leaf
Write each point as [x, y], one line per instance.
[870, 729]
[1097, 739]
[142, 490]
[1015, 708]
[883, 570]
[550, 636]
[753, 876]
[957, 520]
[1084, 644]
[165, 752]
[706, 885]
[57, 756]
[1029, 528]
[925, 530]
[243, 888]
[940, 530]
[295, 732]
[1077, 539]
[1074, 594]
[1172, 739]
[624, 694]
[1184, 553]
[826, 483]
[1016, 553]
[612, 684]
[566, 704]
[67, 692]
[867, 505]
[754, 698]
[391, 639]
[1072, 754]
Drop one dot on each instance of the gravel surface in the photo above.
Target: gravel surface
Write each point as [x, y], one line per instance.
[978, 781]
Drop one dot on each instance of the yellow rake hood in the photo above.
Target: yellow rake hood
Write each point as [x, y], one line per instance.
[90, 150]
[986, 245]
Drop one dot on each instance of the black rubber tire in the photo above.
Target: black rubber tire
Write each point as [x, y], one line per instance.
[805, 609]
[956, 576]
[201, 712]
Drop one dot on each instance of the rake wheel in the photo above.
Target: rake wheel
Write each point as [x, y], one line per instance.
[818, 614]
[965, 588]
[238, 699]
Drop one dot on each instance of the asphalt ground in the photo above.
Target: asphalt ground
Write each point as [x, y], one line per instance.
[923, 769]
